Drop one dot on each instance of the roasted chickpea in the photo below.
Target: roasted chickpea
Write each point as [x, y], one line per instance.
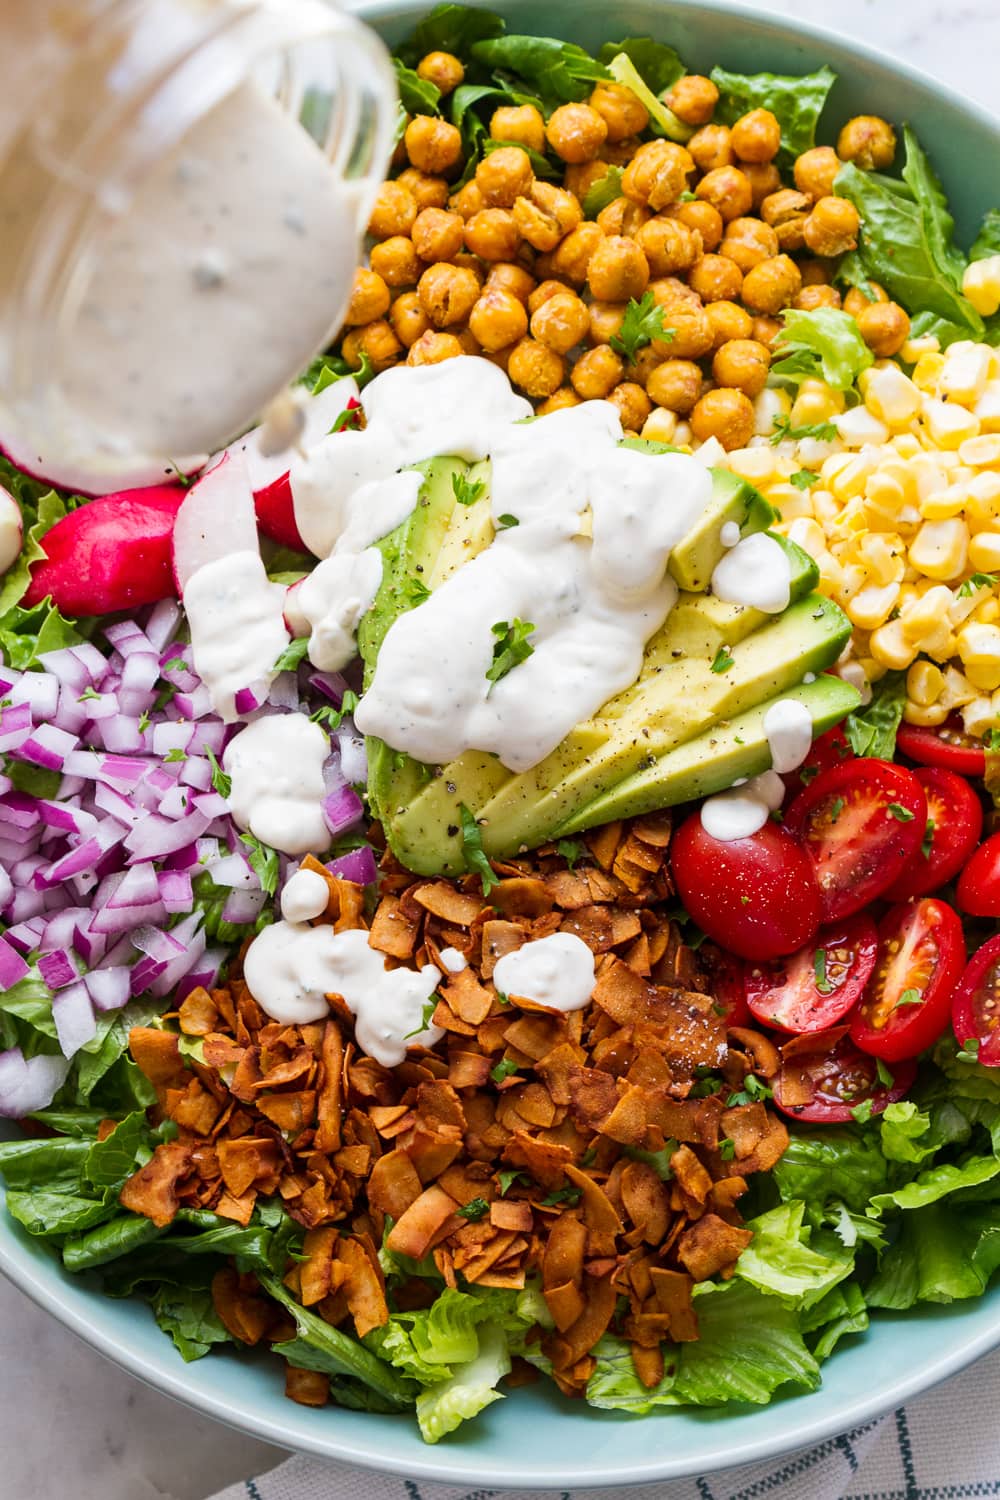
[576, 132]
[856, 300]
[622, 216]
[691, 329]
[766, 330]
[498, 319]
[621, 111]
[501, 357]
[816, 170]
[747, 242]
[716, 278]
[408, 318]
[397, 261]
[507, 277]
[668, 245]
[606, 320]
[885, 328]
[772, 285]
[433, 145]
[443, 69]
[728, 321]
[703, 218]
[536, 368]
[547, 215]
[448, 294]
[571, 258]
[561, 321]
[369, 299]
[832, 227]
[724, 414]
[596, 373]
[693, 99]
[467, 201]
[492, 234]
[521, 123]
[428, 192]
[742, 364]
[618, 270]
[728, 190]
[645, 362]
[675, 384]
[543, 291]
[433, 348]
[394, 212]
[377, 340]
[756, 136]
[763, 177]
[815, 296]
[564, 397]
[869, 141]
[815, 272]
[504, 175]
[633, 405]
[670, 291]
[786, 212]
[470, 344]
[712, 147]
[437, 234]
[657, 174]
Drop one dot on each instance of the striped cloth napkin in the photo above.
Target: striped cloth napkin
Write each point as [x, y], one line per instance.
[945, 1446]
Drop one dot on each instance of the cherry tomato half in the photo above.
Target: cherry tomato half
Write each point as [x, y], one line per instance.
[948, 747]
[975, 1012]
[907, 1005]
[824, 1079]
[954, 826]
[756, 896]
[726, 983]
[978, 889]
[814, 988]
[829, 750]
[861, 822]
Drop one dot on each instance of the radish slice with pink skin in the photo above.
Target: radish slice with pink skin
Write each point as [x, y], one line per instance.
[11, 530]
[216, 518]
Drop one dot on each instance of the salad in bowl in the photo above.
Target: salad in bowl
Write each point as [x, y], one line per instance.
[498, 871]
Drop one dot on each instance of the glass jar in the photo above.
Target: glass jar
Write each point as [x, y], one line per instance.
[184, 185]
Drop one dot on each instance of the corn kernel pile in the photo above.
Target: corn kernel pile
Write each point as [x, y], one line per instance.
[902, 515]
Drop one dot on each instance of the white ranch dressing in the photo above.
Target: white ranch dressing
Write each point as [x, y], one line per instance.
[755, 572]
[744, 810]
[555, 971]
[788, 727]
[237, 627]
[306, 895]
[729, 534]
[329, 602]
[453, 961]
[291, 968]
[277, 793]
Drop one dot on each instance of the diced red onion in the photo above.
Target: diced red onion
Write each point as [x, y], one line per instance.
[167, 737]
[116, 805]
[109, 989]
[284, 691]
[6, 887]
[121, 735]
[47, 747]
[358, 866]
[60, 928]
[162, 624]
[74, 1018]
[18, 810]
[247, 700]
[40, 692]
[176, 802]
[212, 805]
[66, 667]
[127, 638]
[233, 870]
[122, 771]
[57, 969]
[342, 809]
[243, 906]
[210, 735]
[194, 704]
[196, 772]
[68, 818]
[29, 1084]
[12, 966]
[155, 837]
[331, 684]
[139, 887]
[120, 952]
[84, 857]
[15, 726]
[117, 919]
[175, 890]
[205, 973]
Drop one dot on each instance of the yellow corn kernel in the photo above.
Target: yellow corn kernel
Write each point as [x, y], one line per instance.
[816, 401]
[981, 715]
[927, 369]
[860, 428]
[925, 622]
[890, 646]
[983, 507]
[924, 714]
[758, 465]
[850, 481]
[979, 648]
[789, 500]
[871, 606]
[988, 612]
[884, 498]
[943, 505]
[984, 552]
[906, 444]
[854, 673]
[660, 425]
[883, 553]
[981, 284]
[987, 408]
[808, 535]
[874, 670]
[965, 372]
[958, 690]
[682, 435]
[768, 406]
[948, 424]
[924, 683]
[889, 395]
[981, 452]
[940, 549]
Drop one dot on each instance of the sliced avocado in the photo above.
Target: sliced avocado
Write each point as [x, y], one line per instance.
[714, 759]
[694, 559]
[632, 731]
[470, 529]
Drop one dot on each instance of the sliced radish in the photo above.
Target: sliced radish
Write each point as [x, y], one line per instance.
[11, 530]
[216, 518]
[110, 555]
[297, 623]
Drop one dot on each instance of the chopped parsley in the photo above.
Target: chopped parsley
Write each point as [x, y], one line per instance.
[467, 493]
[506, 521]
[727, 1148]
[723, 660]
[804, 479]
[753, 1089]
[430, 1006]
[502, 999]
[472, 850]
[174, 663]
[415, 591]
[976, 582]
[900, 813]
[862, 1112]
[331, 718]
[263, 862]
[348, 421]
[173, 756]
[569, 1195]
[292, 655]
[908, 997]
[221, 783]
[508, 1177]
[642, 323]
[969, 1051]
[836, 808]
[570, 849]
[144, 721]
[784, 431]
[819, 970]
[476, 1208]
[928, 839]
[504, 1068]
[512, 647]
[885, 1078]
[88, 695]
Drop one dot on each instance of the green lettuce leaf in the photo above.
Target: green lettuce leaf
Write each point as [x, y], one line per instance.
[657, 64]
[560, 72]
[417, 95]
[937, 1182]
[839, 1164]
[987, 241]
[442, 1408]
[29, 1002]
[451, 28]
[663, 121]
[54, 1164]
[872, 730]
[906, 1133]
[825, 344]
[841, 1312]
[47, 1213]
[791, 1261]
[128, 1147]
[188, 1316]
[797, 103]
[940, 1256]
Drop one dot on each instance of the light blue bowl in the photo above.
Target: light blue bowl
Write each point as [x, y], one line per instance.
[535, 1438]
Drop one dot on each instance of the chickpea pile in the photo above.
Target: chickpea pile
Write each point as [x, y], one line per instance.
[508, 267]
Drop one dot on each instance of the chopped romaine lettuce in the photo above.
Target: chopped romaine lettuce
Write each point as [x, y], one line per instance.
[796, 103]
[823, 343]
[792, 1261]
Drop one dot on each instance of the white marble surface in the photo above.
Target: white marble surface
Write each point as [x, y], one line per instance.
[70, 1422]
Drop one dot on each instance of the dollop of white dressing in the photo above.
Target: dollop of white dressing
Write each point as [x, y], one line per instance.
[729, 534]
[290, 969]
[585, 567]
[237, 627]
[744, 810]
[788, 727]
[329, 602]
[755, 572]
[305, 896]
[454, 961]
[276, 768]
[556, 971]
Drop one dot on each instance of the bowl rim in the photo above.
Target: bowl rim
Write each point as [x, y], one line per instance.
[82, 1316]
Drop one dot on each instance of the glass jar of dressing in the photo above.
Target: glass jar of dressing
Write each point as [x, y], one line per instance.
[183, 189]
